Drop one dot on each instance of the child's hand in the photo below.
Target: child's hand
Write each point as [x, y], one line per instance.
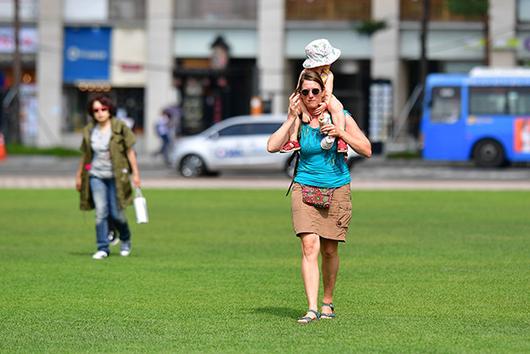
[321, 108]
[330, 130]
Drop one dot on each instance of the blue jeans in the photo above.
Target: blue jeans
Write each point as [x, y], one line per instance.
[106, 202]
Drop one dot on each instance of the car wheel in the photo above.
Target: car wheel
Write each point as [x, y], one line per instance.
[488, 153]
[192, 166]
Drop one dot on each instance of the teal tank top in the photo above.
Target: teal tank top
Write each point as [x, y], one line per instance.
[318, 167]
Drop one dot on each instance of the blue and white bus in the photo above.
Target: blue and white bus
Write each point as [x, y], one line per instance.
[483, 116]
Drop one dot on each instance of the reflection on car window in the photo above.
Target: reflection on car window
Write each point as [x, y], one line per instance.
[250, 129]
[264, 128]
[237, 129]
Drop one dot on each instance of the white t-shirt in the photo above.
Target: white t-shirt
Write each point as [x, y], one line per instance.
[101, 163]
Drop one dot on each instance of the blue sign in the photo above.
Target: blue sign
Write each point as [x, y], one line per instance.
[86, 54]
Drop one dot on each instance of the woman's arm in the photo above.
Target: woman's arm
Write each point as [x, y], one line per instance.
[79, 174]
[131, 155]
[352, 135]
[281, 136]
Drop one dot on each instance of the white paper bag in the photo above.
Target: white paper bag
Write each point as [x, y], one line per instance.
[140, 207]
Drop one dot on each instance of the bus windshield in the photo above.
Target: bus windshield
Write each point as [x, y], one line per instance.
[445, 104]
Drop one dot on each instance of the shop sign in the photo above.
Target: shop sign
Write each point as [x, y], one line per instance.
[27, 37]
[128, 57]
[86, 54]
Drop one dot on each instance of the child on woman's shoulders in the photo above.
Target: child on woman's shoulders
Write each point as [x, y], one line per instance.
[320, 54]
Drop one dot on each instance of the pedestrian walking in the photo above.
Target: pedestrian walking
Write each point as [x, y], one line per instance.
[104, 174]
[320, 200]
[163, 131]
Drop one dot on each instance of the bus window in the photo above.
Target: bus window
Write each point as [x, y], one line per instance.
[519, 101]
[445, 104]
[487, 100]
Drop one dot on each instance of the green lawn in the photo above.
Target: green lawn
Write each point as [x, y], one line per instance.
[218, 271]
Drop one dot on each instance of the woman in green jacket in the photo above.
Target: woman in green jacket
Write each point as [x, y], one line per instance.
[103, 175]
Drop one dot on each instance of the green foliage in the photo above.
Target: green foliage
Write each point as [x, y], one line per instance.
[16, 149]
[369, 27]
[468, 7]
[219, 271]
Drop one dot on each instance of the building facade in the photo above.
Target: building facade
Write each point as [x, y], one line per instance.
[211, 57]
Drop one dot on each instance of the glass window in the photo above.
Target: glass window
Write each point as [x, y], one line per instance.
[328, 10]
[523, 10]
[127, 9]
[487, 100]
[445, 106]
[411, 10]
[28, 10]
[238, 129]
[85, 11]
[519, 101]
[250, 129]
[263, 128]
[215, 9]
[129, 104]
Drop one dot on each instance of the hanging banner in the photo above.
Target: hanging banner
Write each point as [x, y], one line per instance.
[86, 54]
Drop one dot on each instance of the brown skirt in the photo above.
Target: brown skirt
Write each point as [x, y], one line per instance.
[329, 223]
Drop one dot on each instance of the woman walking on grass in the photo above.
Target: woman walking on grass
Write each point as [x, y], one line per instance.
[320, 201]
[103, 174]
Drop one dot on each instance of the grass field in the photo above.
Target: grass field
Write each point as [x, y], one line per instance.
[218, 271]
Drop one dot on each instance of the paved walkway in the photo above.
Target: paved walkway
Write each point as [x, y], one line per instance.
[375, 173]
[19, 182]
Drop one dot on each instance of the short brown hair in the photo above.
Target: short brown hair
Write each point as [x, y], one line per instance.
[309, 75]
[105, 101]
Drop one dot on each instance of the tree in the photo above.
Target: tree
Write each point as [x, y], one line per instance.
[472, 8]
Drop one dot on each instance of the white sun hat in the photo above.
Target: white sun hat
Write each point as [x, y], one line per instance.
[320, 52]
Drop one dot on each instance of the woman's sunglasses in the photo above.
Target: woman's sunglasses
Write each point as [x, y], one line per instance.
[314, 91]
[102, 109]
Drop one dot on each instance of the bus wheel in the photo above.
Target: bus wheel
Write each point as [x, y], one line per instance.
[488, 153]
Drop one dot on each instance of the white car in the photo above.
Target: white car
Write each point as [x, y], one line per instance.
[238, 143]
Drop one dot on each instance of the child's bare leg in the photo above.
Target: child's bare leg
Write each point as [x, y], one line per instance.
[293, 131]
